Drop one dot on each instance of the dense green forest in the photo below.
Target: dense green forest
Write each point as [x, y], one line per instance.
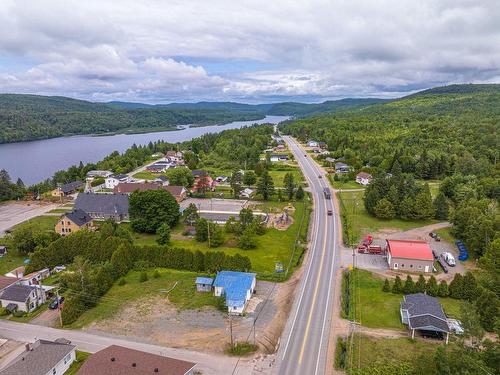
[30, 117]
[447, 133]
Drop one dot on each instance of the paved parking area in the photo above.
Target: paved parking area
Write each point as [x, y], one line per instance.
[13, 213]
[215, 204]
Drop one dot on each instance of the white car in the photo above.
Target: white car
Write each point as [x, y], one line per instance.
[448, 258]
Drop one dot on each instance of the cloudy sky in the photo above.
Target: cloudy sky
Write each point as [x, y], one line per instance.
[245, 50]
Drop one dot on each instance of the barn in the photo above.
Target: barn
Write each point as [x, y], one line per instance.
[412, 256]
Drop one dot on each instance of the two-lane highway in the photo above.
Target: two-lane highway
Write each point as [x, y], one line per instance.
[304, 344]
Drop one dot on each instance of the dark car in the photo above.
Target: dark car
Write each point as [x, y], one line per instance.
[320, 176]
[55, 303]
[329, 212]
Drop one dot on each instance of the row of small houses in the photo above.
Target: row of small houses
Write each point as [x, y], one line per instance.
[46, 357]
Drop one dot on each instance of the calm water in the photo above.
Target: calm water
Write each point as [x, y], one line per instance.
[37, 160]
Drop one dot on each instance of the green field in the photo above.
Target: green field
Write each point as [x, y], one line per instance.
[10, 261]
[363, 223]
[370, 351]
[41, 222]
[376, 309]
[183, 296]
[344, 185]
[146, 175]
[278, 176]
[273, 246]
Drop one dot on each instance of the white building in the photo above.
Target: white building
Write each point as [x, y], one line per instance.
[312, 143]
[115, 179]
[25, 298]
[364, 178]
[43, 358]
[236, 287]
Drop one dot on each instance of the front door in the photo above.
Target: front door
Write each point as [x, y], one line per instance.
[426, 268]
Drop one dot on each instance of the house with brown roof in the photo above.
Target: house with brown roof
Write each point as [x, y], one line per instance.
[6, 281]
[364, 178]
[43, 357]
[118, 360]
[179, 192]
[74, 221]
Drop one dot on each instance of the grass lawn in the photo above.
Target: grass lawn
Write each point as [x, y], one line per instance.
[183, 296]
[274, 246]
[10, 261]
[75, 366]
[363, 223]
[370, 351]
[26, 318]
[41, 222]
[378, 309]
[279, 175]
[60, 210]
[344, 185]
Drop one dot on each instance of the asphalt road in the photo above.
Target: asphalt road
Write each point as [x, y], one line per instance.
[304, 343]
[208, 364]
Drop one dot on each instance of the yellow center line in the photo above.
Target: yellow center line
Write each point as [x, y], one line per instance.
[304, 340]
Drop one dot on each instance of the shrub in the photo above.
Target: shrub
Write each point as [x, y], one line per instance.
[241, 348]
[340, 353]
[443, 289]
[156, 274]
[397, 287]
[409, 286]
[142, 265]
[122, 282]
[387, 287]
[19, 314]
[4, 311]
[143, 277]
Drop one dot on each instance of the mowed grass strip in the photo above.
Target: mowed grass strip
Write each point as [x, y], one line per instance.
[375, 308]
[183, 296]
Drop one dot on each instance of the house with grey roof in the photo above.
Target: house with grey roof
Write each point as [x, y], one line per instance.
[25, 298]
[67, 189]
[421, 312]
[341, 168]
[43, 357]
[103, 206]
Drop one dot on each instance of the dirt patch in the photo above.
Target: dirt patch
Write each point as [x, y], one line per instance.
[157, 320]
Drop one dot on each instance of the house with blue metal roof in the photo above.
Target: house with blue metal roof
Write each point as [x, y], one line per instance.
[237, 287]
[204, 284]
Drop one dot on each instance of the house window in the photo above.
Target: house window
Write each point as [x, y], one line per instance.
[411, 265]
[402, 266]
[67, 358]
[419, 267]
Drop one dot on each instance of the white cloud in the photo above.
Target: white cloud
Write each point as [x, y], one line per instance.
[141, 50]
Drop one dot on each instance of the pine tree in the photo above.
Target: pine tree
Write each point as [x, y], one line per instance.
[456, 287]
[432, 286]
[387, 287]
[397, 287]
[409, 286]
[407, 208]
[488, 306]
[384, 209]
[443, 289]
[235, 183]
[420, 284]
[424, 208]
[469, 290]
[299, 194]
[163, 233]
[393, 196]
[265, 186]
[441, 206]
[289, 183]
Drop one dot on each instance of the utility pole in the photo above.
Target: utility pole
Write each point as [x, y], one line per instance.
[208, 232]
[59, 307]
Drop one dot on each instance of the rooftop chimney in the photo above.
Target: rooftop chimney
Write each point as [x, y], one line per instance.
[134, 364]
[112, 359]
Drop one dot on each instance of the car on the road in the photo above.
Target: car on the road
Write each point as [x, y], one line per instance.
[329, 212]
[56, 302]
[320, 176]
[305, 155]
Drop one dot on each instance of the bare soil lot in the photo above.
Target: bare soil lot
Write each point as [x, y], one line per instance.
[215, 204]
[156, 320]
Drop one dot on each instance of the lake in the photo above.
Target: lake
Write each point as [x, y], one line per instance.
[37, 160]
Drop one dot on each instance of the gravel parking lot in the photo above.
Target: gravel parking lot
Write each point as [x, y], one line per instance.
[13, 213]
[215, 204]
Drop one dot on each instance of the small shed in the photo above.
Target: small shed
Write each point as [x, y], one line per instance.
[204, 284]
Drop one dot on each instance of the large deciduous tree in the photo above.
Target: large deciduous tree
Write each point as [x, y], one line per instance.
[150, 209]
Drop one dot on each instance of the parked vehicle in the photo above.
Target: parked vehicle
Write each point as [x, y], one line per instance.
[320, 176]
[56, 302]
[443, 264]
[449, 259]
[462, 250]
[370, 249]
[329, 213]
[435, 236]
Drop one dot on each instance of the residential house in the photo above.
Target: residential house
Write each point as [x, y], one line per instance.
[118, 360]
[6, 281]
[179, 192]
[237, 287]
[67, 189]
[130, 187]
[221, 179]
[175, 156]
[364, 178]
[25, 298]
[246, 193]
[163, 180]
[322, 144]
[104, 206]
[157, 168]
[3, 250]
[413, 256]
[278, 157]
[98, 173]
[341, 168]
[43, 357]
[312, 143]
[421, 312]
[113, 180]
[74, 221]
[18, 272]
[280, 148]
[35, 278]
[202, 181]
[204, 284]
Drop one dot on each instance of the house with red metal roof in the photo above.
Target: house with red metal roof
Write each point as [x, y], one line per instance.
[412, 256]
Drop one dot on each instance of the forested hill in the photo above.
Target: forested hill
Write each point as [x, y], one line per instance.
[304, 109]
